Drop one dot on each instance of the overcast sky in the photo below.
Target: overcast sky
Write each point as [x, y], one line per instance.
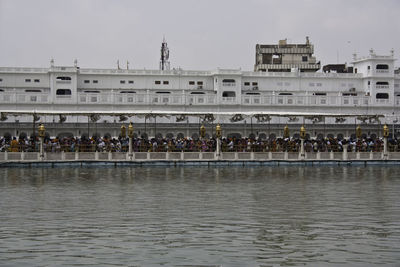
[203, 34]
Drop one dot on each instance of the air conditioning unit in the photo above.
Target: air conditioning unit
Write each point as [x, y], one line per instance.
[255, 88]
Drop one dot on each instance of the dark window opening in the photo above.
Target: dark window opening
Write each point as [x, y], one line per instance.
[382, 67]
[63, 78]
[304, 58]
[27, 80]
[197, 93]
[33, 91]
[191, 82]
[165, 82]
[285, 94]
[157, 82]
[319, 93]
[382, 83]
[131, 82]
[91, 92]
[95, 81]
[86, 81]
[122, 82]
[160, 92]
[254, 83]
[228, 94]
[369, 67]
[246, 84]
[1, 90]
[1, 80]
[63, 92]
[228, 81]
[369, 82]
[199, 83]
[37, 81]
[382, 96]
[349, 94]
[252, 93]
[128, 92]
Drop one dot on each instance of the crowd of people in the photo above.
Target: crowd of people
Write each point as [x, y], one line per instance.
[106, 144]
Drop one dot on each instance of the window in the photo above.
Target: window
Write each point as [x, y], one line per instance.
[122, 82]
[285, 94]
[131, 82]
[382, 96]
[228, 81]
[197, 93]
[311, 84]
[37, 81]
[128, 92]
[191, 82]
[319, 84]
[161, 92]
[157, 82]
[86, 81]
[199, 82]
[33, 91]
[382, 67]
[382, 83]
[165, 82]
[319, 93]
[304, 58]
[246, 84]
[63, 78]
[63, 92]
[1, 80]
[95, 81]
[27, 80]
[254, 83]
[91, 92]
[349, 94]
[369, 82]
[369, 67]
[228, 94]
[252, 93]
[1, 90]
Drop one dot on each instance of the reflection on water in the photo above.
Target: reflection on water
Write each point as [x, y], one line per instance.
[263, 216]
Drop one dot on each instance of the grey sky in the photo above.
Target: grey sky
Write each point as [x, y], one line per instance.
[202, 34]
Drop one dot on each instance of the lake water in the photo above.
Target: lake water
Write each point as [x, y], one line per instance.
[200, 216]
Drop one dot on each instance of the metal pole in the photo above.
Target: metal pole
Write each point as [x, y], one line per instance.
[130, 148]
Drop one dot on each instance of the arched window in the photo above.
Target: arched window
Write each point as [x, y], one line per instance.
[382, 96]
[63, 92]
[382, 67]
[285, 94]
[382, 83]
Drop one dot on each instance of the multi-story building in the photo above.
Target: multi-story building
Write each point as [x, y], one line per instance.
[373, 89]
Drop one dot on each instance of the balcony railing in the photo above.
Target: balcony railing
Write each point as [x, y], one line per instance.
[188, 99]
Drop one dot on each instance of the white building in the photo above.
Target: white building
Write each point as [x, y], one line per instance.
[373, 89]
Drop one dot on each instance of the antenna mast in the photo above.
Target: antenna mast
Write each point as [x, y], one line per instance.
[164, 61]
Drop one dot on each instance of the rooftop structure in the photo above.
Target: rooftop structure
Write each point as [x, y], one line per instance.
[285, 57]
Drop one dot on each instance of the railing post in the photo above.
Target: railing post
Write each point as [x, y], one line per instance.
[318, 155]
[331, 155]
[236, 155]
[182, 155]
[371, 155]
[200, 155]
[62, 155]
[148, 155]
[6, 155]
[109, 155]
[345, 155]
[251, 155]
[270, 155]
[385, 149]
[96, 155]
[41, 148]
[76, 155]
[22, 155]
[358, 155]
